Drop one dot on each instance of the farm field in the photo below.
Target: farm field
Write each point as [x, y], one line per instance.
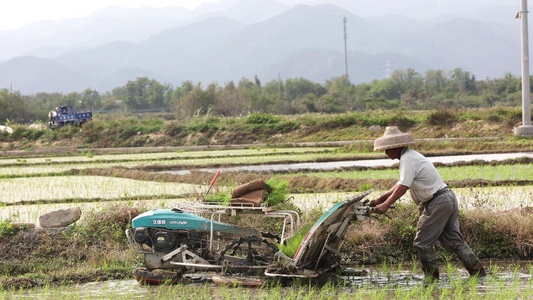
[45, 194]
[26, 188]
[165, 161]
[176, 155]
[32, 186]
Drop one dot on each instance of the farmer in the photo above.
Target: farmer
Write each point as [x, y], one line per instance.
[437, 204]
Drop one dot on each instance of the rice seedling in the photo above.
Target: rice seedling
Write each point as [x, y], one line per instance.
[291, 245]
[86, 187]
[494, 198]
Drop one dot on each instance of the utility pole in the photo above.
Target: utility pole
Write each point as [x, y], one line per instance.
[388, 70]
[526, 130]
[345, 49]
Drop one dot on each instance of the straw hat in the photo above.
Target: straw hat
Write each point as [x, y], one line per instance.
[393, 138]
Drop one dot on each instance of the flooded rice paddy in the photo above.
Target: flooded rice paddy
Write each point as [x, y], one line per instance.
[489, 198]
[511, 279]
[505, 280]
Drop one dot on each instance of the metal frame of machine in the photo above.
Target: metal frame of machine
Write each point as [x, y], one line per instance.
[318, 253]
[193, 248]
[290, 217]
[184, 216]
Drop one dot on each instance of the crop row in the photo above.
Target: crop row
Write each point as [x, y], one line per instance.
[154, 156]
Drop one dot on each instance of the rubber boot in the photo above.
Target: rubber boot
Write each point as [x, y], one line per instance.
[428, 258]
[470, 261]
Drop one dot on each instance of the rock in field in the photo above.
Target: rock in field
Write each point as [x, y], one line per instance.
[60, 218]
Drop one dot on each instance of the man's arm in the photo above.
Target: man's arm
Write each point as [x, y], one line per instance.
[388, 199]
[382, 198]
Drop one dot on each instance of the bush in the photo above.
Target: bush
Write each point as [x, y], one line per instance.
[105, 226]
[402, 121]
[286, 126]
[499, 234]
[256, 118]
[442, 117]
[18, 133]
[7, 228]
[494, 119]
[151, 125]
[176, 129]
[376, 119]
[342, 120]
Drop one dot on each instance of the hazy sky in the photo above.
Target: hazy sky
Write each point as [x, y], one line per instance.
[17, 13]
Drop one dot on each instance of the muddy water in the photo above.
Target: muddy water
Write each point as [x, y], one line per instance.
[326, 166]
[502, 276]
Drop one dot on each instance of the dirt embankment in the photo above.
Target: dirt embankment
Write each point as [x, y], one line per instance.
[213, 132]
[94, 249]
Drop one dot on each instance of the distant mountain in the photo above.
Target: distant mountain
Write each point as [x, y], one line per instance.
[303, 28]
[232, 39]
[417, 9]
[246, 11]
[109, 25]
[31, 75]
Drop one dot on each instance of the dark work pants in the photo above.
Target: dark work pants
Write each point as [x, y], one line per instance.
[439, 221]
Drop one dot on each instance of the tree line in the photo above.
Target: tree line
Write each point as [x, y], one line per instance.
[404, 89]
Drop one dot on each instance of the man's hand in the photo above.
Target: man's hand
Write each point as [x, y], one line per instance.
[380, 209]
[374, 203]
[388, 199]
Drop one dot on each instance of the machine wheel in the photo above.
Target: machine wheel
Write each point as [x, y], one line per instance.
[251, 255]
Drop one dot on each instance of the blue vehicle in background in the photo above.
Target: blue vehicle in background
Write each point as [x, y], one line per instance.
[66, 115]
